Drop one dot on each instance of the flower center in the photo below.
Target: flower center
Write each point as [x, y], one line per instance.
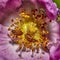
[30, 31]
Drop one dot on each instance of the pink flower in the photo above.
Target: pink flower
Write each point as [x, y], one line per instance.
[8, 52]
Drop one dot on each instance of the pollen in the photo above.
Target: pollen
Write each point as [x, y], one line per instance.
[28, 32]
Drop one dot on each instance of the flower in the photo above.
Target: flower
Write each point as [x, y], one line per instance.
[7, 50]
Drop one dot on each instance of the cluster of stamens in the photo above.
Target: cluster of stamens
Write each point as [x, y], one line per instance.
[30, 31]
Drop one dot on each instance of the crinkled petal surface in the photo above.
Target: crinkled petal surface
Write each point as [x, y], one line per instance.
[54, 31]
[55, 53]
[7, 52]
[55, 39]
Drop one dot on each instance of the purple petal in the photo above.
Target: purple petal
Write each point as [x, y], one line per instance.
[54, 35]
[56, 53]
[7, 7]
[3, 29]
[7, 51]
[50, 7]
[54, 31]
